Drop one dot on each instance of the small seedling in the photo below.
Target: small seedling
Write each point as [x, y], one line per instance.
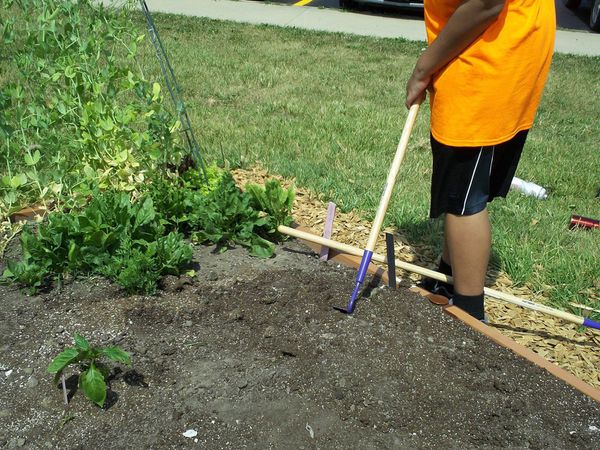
[91, 379]
[66, 419]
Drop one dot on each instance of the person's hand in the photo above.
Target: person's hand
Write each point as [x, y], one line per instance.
[416, 88]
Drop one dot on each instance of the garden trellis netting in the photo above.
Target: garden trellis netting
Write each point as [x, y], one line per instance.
[174, 91]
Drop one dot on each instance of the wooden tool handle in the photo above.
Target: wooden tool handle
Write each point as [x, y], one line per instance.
[391, 178]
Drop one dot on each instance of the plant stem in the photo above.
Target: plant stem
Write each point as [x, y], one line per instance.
[64, 388]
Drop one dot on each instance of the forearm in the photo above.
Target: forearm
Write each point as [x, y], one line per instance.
[467, 23]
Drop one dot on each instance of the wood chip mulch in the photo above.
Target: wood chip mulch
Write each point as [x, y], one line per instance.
[560, 342]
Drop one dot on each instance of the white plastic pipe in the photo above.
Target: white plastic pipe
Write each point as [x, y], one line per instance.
[528, 188]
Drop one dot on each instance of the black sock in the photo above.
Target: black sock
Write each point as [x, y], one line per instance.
[445, 268]
[472, 304]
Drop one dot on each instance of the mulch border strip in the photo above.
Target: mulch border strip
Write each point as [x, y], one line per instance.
[493, 334]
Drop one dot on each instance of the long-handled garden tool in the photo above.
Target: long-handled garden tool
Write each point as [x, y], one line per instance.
[383, 204]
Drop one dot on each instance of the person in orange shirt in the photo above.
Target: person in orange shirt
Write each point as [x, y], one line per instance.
[485, 69]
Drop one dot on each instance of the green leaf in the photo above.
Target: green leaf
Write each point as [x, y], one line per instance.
[155, 91]
[116, 354]
[91, 381]
[62, 360]
[36, 156]
[69, 72]
[81, 343]
[32, 160]
[10, 197]
[18, 180]
[154, 153]
[89, 172]
[107, 124]
[146, 213]
[261, 248]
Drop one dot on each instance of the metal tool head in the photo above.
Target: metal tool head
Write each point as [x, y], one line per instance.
[350, 308]
[360, 278]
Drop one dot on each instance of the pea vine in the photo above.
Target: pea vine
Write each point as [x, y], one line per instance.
[77, 112]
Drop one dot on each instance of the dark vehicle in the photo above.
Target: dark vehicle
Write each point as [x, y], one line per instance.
[594, 13]
[407, 4]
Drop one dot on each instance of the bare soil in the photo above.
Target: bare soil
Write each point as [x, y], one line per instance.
[250, 354]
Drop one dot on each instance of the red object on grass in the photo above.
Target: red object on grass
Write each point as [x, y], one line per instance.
[583, 222]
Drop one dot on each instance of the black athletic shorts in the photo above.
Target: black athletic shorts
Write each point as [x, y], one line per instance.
[465, 179]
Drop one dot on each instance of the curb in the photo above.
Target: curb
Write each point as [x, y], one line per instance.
[490, 332]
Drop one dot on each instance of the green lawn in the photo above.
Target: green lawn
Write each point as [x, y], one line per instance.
[328, 110]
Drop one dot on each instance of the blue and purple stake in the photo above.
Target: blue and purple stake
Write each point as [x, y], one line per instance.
[360, 278]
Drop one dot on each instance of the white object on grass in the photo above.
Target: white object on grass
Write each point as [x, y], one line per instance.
[528, 188]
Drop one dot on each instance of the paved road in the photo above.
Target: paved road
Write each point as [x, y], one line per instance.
[565, 18]
[332, 20]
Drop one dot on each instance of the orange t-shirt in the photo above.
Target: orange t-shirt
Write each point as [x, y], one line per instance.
[492, 90]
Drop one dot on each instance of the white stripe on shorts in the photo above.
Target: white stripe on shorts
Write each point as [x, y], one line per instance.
[471, 182]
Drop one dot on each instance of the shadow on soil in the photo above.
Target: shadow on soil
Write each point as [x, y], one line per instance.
[545, 335]
[129, 377]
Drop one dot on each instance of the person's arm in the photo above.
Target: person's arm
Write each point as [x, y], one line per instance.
[465, 25]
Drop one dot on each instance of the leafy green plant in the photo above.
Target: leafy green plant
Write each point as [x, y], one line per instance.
[179, 197]
[221, 213]
[227, 218]
[273, 199]
[138, 268]
[113, 236]
[134, 271]
[224, 215]
[193, 180]
[92, 377]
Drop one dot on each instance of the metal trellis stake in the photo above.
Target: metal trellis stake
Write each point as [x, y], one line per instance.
[174, 90]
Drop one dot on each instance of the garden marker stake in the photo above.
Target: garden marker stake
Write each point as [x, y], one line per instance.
[383, 204]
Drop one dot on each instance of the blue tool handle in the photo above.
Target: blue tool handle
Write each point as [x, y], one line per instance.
[360, 278]
[590, 323]
[364, 266]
